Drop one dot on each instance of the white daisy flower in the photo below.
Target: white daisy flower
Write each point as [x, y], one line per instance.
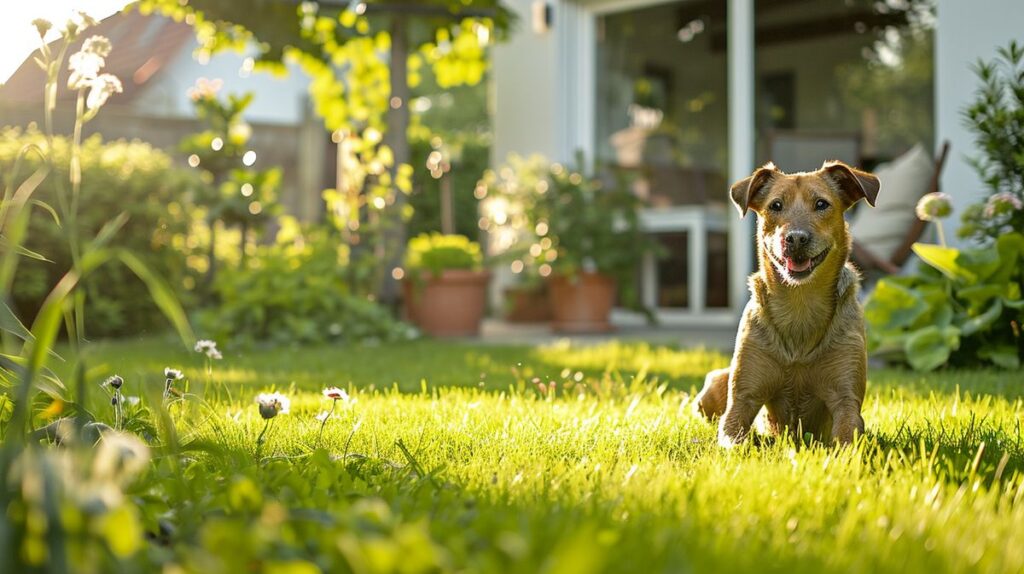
[273, 404]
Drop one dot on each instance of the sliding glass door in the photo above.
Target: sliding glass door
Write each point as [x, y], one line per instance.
[661, 123]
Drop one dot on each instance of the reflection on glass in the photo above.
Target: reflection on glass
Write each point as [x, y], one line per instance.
[847, 80]
[661, 120]
[661, 100]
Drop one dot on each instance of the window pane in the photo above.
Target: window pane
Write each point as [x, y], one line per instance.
[661, 120]
[848, 80]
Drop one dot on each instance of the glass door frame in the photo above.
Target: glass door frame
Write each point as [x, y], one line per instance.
[576, 24]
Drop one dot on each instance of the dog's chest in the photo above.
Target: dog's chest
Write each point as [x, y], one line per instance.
[797, 401]
[801, 325]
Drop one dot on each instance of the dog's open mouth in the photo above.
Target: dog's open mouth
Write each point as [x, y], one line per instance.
[802, 268]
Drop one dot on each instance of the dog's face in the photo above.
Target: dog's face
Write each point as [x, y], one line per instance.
[800, 216]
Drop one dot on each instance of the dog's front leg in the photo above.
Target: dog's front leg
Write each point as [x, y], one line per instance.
[846, 420]
[845, 381]
[750, 385]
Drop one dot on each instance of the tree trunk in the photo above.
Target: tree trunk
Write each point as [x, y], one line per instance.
[398, 140]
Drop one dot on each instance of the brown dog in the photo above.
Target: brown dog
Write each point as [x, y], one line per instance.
[800, 349]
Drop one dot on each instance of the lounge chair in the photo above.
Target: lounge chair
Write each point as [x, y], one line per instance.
[883, 238]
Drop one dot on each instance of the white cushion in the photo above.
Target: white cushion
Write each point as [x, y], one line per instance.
[902, 182]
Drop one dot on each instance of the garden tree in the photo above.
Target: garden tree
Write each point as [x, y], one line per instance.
[237, 194]
[363, 57]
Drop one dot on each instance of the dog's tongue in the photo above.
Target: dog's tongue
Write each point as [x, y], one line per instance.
[792, 265]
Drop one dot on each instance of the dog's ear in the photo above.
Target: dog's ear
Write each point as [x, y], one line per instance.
[853, 183]
[745, 192]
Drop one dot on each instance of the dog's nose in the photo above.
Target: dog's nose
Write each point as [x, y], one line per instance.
[797, 238]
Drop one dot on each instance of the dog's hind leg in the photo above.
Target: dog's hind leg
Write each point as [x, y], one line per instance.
[711, 400]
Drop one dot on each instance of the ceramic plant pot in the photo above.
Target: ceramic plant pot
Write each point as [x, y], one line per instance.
[451, 304]
[527, 305]
[582, 304]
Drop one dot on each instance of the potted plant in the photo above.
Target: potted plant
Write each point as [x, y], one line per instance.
[527, 302]
[579, 233]
[507, 196]
[446, 287]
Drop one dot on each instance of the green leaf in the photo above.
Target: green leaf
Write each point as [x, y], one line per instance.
[1005, 356]
[10, 323]
[1011, 249]
[48, 209]
[892, 306]
[983, 321]
[110, 229]
[967, 266]
[161, 293]
[123, 531]
[22, 250]
[945, 260]
[929, 348]
[977, 296]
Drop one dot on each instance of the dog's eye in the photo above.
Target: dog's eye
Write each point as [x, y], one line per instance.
[775, 205]
[821, 205]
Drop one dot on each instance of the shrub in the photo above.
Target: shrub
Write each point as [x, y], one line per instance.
[119, 176]
[559, 221]
[435, 252]
[967, 306]
[296, 290]
[997, 119]
[425, 199]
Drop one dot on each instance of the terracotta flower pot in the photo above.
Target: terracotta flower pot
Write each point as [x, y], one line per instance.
[582, 304]
[449, 305]
[527, 305]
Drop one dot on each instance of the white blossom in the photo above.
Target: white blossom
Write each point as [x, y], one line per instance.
[101, 89]
[273, 404]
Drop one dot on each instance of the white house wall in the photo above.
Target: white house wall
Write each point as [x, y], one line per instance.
[279, 100]
[526, 89]
[966, 31]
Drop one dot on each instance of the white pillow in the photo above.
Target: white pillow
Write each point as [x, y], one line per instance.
[902, 182]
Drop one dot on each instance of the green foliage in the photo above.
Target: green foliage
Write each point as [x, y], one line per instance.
[562, 222]
[900, 87]
[117, 177]
[348, 51]
[297, 290]
[65, 509]
[965, 308]
[473, 159]
[236, 194]
[433, 253]
[996, 116]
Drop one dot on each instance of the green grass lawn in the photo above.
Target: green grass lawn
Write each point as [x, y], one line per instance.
[468, 458]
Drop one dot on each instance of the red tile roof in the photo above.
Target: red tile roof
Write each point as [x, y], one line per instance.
[142, 46]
